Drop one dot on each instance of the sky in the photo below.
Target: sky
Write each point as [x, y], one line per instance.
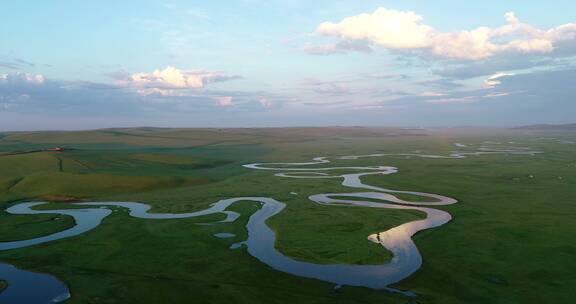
[68, 64]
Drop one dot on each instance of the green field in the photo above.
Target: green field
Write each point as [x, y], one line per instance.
[510, 240]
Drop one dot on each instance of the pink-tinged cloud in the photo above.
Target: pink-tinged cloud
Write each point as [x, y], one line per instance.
[405, 30]
[224, 101]
[265, 102]
[471, 98]
[22, 78]
[455, 100]
[432, 94]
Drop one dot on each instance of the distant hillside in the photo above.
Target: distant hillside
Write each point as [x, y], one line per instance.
[181, 137]
[548, 127]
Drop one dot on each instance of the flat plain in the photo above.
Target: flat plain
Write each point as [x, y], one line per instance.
[510, 240]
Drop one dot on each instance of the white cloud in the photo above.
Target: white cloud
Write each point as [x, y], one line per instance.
[497, 94]
[432, 94]
[511, 18]
[170, 79]
[405, 30]
[494, 80]
[387, 28]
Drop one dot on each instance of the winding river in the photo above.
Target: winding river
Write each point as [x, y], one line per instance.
[261, 239]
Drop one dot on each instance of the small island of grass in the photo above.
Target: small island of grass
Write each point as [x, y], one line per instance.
[3, 285]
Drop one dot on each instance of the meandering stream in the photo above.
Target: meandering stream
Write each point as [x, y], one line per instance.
[261, 239]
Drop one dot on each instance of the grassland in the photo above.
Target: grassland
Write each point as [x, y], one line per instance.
[29, 226]
[510, 241]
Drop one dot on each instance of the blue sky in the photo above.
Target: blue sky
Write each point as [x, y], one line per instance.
[80, 64]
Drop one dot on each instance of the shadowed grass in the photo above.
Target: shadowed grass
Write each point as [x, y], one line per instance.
[24, 227]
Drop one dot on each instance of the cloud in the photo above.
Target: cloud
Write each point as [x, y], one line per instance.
[332, 89]
[328, 103]
[537, 94]
[406, 31]
[492, 65]
[497, 94]
[387, 28]
[441, 83]
[24, 92]
[454, 100]
[265, 102]
[329, 87]
[548, 86]
[16, 63]
[24, 62]
[18, 88]
[379, 93]
[467, 97]
[494, 80]
[387, 76]
[170, 79]
[33, 93]
[224, 101]
[8, 65]
[21, 79]
[511, 18]
[339, 47]
[432, 94]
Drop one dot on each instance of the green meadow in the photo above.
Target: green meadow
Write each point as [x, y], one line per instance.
[511, 239]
